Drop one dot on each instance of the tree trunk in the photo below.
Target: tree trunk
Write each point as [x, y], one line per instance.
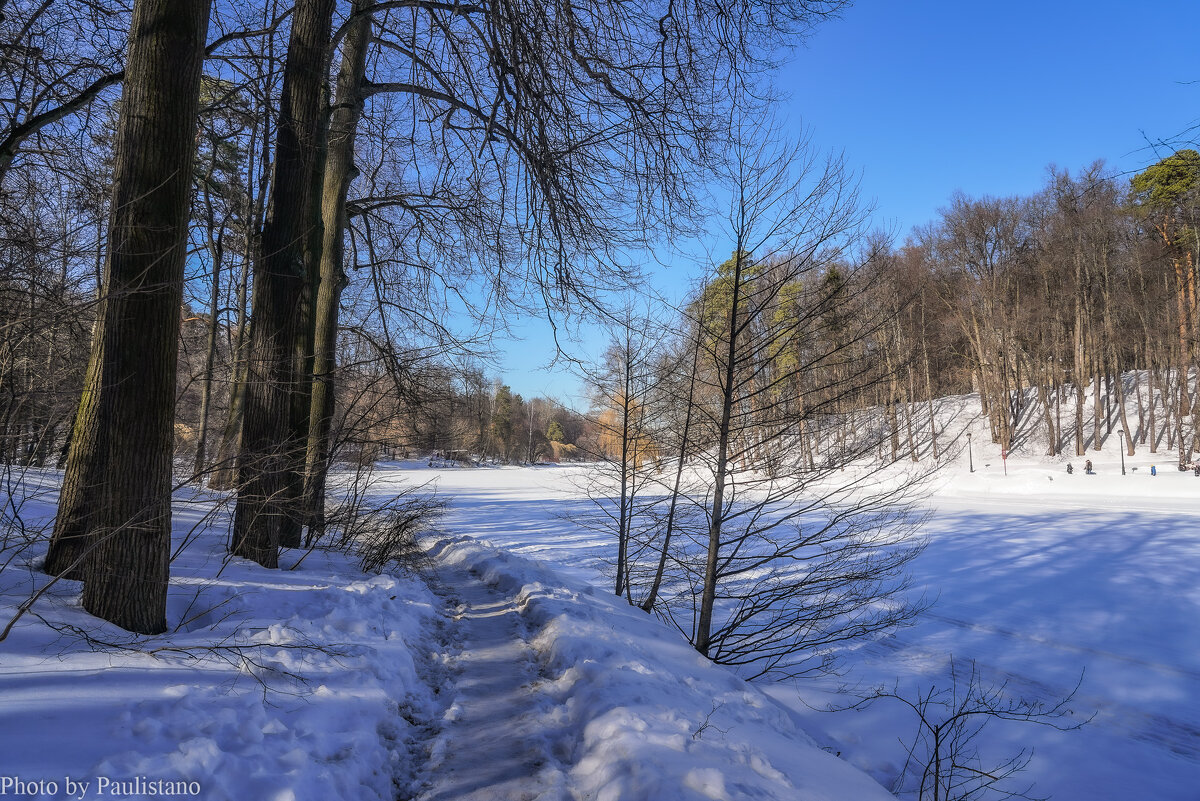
[116, 500]
[684, 443]
[1046, 399]
[708, 595]
[216, 253]
[224, 474]
[623, 509]
[269, 509]
[339, 172]
[929, 391]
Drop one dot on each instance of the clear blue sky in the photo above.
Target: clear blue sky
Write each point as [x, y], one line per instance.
[926, 97]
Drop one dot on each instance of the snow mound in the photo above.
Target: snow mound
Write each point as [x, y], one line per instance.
[294, 685]
[638, 714]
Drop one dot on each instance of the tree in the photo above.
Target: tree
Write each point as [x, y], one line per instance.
[626, 447]
[339, 172]
[483, 181]
[257, 66]
[1167, 196]
[943, 759]
[55, 59]
[983, 242]
[114, 516]
[221, 209]
[777, 560]
[275, 427]
[500, 426]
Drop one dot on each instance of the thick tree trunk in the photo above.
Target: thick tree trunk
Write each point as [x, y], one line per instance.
[116, 500]
[339, 172]
[269, 508]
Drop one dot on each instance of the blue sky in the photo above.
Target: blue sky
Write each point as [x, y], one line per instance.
[926, 97]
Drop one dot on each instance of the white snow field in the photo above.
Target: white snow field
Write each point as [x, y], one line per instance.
[506, 680]
[517, 675]
[1039, 577]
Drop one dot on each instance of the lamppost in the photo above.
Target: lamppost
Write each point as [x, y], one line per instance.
[1121, 434]
[970, 458]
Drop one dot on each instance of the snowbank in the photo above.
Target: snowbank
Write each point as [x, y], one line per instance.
[283, 685]
[640, 715]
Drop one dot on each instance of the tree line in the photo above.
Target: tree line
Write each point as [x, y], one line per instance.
[1075, 302]
[240, 240]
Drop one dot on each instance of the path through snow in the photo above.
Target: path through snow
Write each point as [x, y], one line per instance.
[558, 691]
[493, 742]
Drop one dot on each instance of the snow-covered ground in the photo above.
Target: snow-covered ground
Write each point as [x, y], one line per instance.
[280, 685]
[562, 691]
[491, 678]
[515, 673]
[1039, 577]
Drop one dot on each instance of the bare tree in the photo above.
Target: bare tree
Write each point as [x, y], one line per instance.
[114, 516]
[519, 132]
[339, 172]
[57, 58]
[627, 450]
[778, 559]
[943, 759]
[274, 428]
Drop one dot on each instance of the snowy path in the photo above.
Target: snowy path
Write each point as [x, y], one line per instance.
[492, 744]
[557, 691]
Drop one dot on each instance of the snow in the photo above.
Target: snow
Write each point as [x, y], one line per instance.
[511, 671]
[494, 677]
[610, 705]
[291, 684]
[1039, 577]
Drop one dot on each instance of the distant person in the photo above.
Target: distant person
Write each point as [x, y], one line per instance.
[1087, 467]
[1153, 470]
[1070, 469]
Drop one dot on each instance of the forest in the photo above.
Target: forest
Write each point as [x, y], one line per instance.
[243, 244]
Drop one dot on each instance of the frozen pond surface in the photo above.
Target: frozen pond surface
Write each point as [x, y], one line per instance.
[1039, 577]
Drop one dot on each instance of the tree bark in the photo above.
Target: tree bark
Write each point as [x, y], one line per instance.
[114, 517]
[708, 594]
[269, 508]
[339, 172]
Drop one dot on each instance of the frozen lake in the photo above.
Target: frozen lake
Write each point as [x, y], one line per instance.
[1039, 577]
